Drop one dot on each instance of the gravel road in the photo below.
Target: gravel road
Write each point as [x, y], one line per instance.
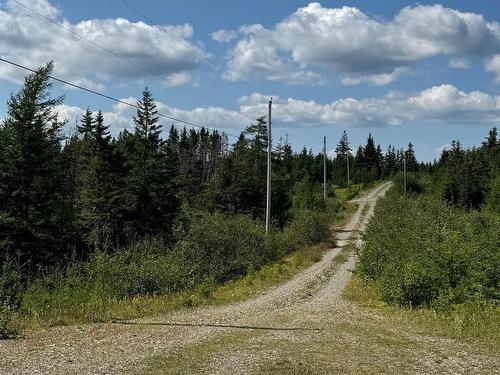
[299, 327]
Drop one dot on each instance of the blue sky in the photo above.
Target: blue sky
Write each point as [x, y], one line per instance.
[403, 71]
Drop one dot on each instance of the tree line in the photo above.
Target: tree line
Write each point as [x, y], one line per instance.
[62, 198]
[470, 178]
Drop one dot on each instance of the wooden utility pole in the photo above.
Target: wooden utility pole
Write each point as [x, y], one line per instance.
[269, 148]
[347, 167]
[404, 172]
[324, 169]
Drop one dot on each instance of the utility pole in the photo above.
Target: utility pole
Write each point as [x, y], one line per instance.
[404, 171]
[269, 148]
[347, 167]
[324, 169]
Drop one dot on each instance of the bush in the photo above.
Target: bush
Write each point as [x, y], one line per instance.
[145, 268]
[308, 228]
[307, 195]
[10, 295]
[221, 248]
[493, 200]
[6, 313]
[214, 248]
[414, 183]
[10, 285]
[419, 251]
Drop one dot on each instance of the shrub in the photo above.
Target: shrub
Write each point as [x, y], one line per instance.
[144, 268]
[6, 313]
[493, 200]
[306, 196]
[419, 251]
[222, 247]
[10, 294]
[10, 285]
[308, 228]
[414, 183]
[214, 248]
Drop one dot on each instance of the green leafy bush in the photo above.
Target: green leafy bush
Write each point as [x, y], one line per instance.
[308, 228]
[221, 247]
[214, 248]
[6, 313]
[144, 268]
[10, 294]
[419, 251]
[414, 183]
[493, 200]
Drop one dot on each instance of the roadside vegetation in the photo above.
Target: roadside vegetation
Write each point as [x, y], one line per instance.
[94, 225]
[436, 251]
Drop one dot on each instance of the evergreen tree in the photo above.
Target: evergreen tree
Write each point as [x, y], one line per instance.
[343, 147]
[153, 203]
[87, 125]
[390, 161]
[95, 182]
[102, 136]
[343, 151]
[31, 178]
[411, 161]
[370, 153]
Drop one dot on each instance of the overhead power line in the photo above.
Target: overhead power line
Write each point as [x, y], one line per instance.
[112, 98]
[184, 43]
[107, 50]
[171, 35]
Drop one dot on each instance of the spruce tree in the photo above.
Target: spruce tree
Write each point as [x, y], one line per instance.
[343, 147]
[31, 178]
[95, 182]
[411, 160]
[87, 125]
[151, 187]
[343, 151]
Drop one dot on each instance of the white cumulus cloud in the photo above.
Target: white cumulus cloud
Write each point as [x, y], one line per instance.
[30, 40]
[443, 104]
[224, 36]
[359, 47]
[493, 65]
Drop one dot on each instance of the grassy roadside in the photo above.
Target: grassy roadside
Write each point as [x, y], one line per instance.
[207, 293]
[469, 322]
[203, 295]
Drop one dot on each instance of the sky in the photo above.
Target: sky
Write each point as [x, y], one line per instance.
[403, 71]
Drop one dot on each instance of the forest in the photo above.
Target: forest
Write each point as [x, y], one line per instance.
[90, 217]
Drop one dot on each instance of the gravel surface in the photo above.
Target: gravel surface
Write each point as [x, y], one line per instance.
[299, 327]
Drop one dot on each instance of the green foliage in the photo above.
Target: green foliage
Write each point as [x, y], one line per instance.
[10, 294]
[306, 196]
[143, 269]
[419, 251]
[414, 183]
[221, 248]
[6, 313]
[464, 177]
[308, 227]
[10, 285]
[30, 173]
[493, 201]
